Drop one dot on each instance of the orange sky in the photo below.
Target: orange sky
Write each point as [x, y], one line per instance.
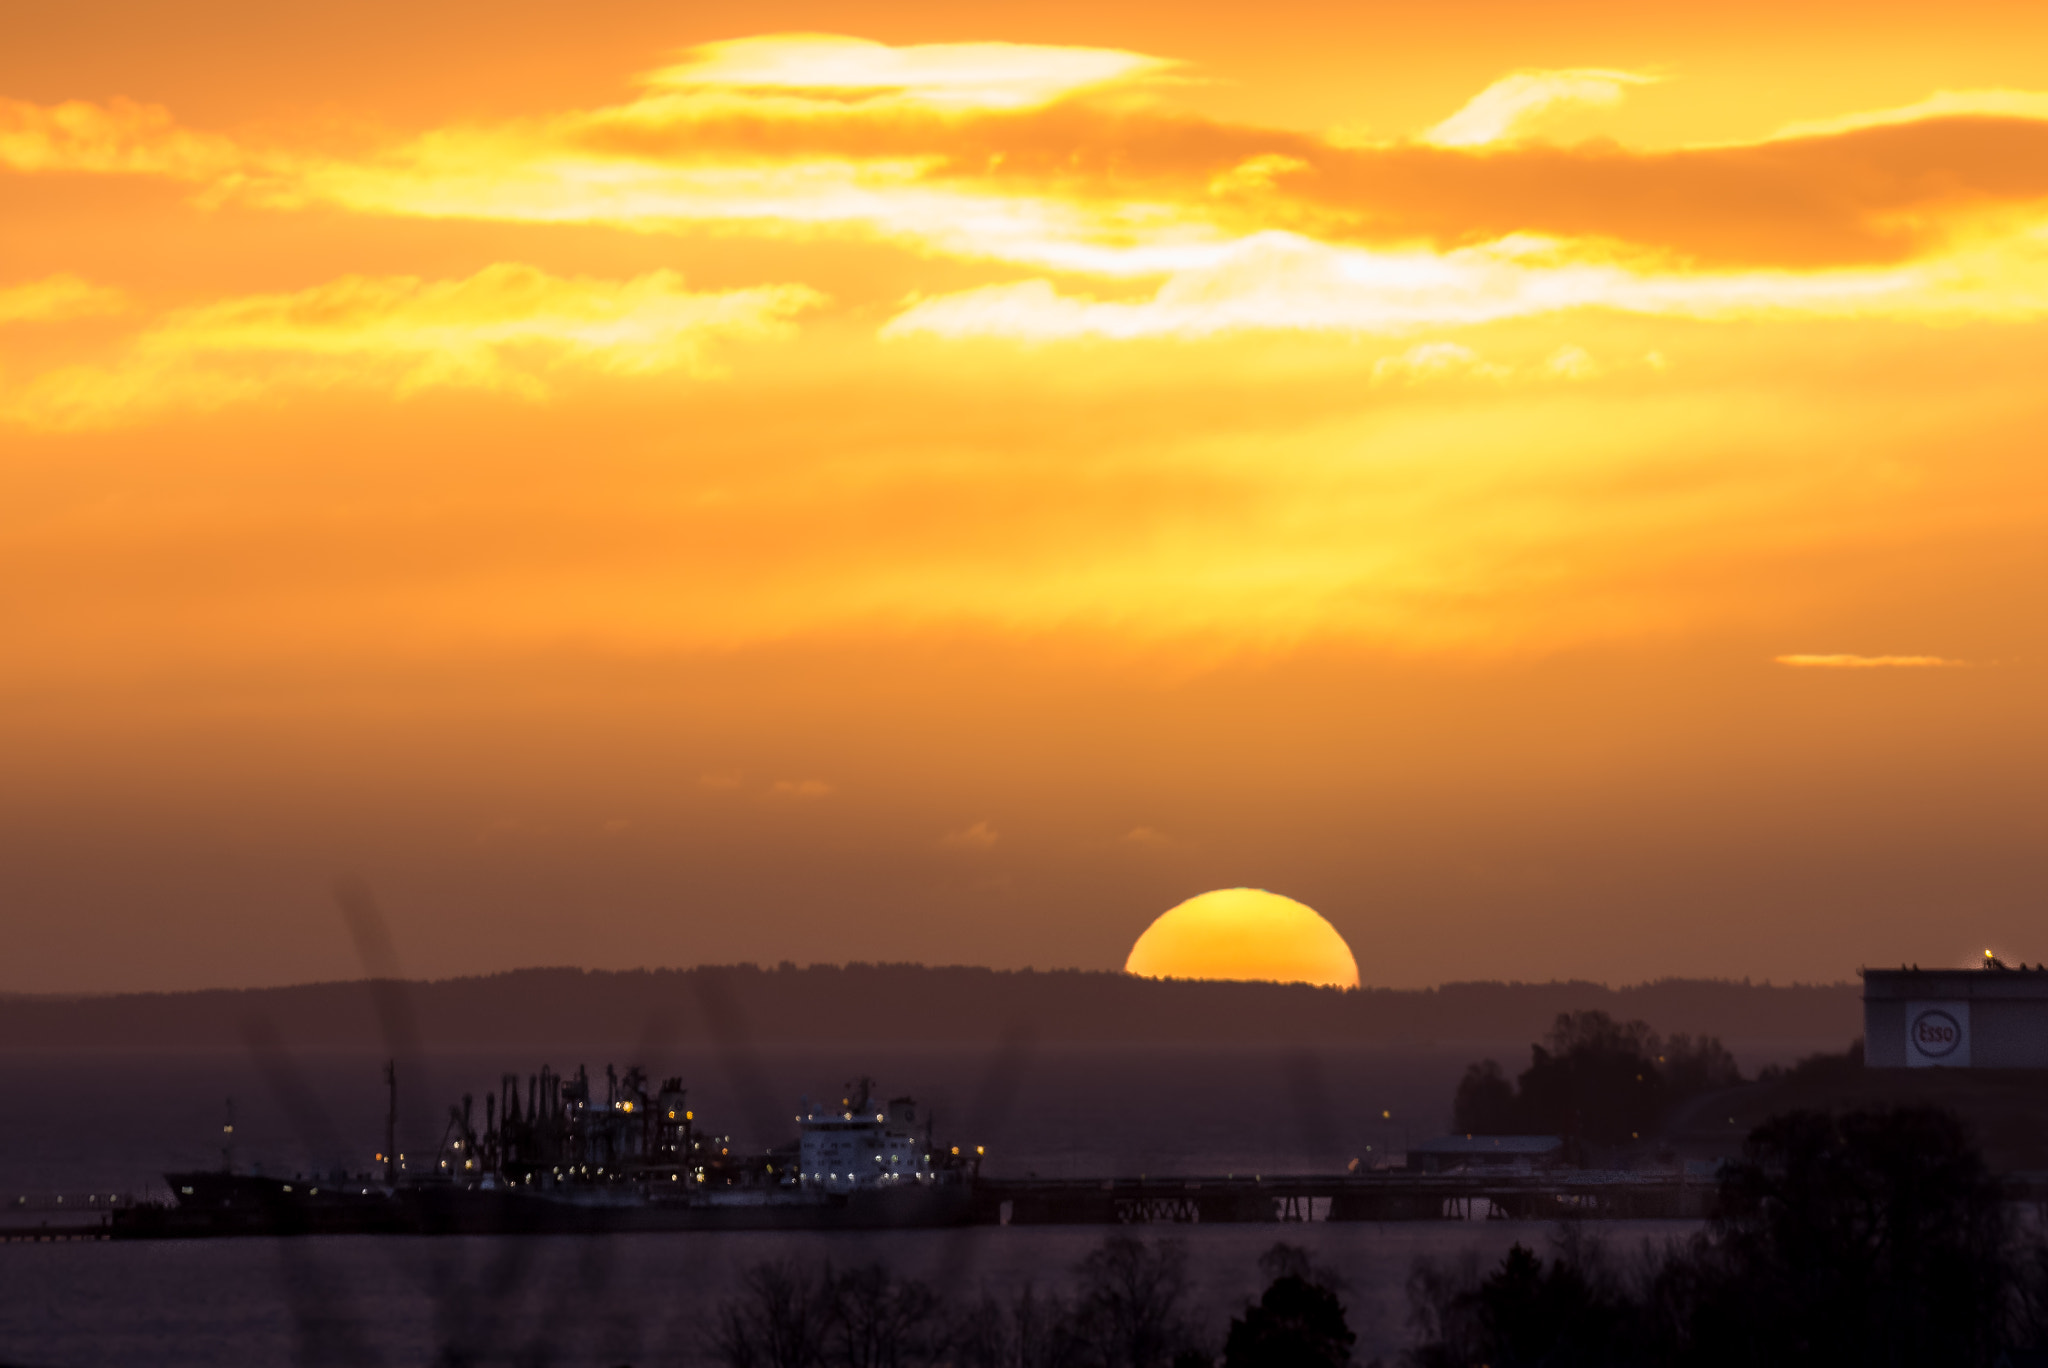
[1558, 489]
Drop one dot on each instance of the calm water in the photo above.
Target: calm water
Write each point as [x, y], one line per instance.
[76, 1124]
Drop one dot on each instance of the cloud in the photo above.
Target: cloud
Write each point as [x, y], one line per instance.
[1284, 282]
[1571, 362]
[1512, 105]
[1433, 361]
[721, 779]
[980, 836]
[1862, 662]
[1037, 156]
[508, 328]
[120, 137]
[1945, 104]
[1146, 838]
[799, 790]
[948, 76]
[56, 298]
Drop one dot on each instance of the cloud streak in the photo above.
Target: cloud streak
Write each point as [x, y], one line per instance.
[1514, 105]
[1863, 662]
[1062, 158]
[508, 328]
[57, 298]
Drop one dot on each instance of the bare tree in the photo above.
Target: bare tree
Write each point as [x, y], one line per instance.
[1130, 1311]
[780, 1319]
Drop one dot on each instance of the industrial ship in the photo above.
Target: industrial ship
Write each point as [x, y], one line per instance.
[558, 1157]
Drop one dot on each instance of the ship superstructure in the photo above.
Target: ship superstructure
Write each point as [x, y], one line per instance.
[864, 1144]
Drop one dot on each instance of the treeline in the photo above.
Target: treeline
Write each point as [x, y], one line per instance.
[910, 1004]
[1593, 1079]
[1876, 1239]
[1131, 1306]
[1872, 1238]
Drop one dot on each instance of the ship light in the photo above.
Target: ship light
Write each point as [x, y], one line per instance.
[956, 1149]
[980, 1150]
[287, 1188]
[689, 1116]
[700, 1177]
[671, 1116]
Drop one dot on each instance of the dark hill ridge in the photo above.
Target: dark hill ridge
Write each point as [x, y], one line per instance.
[909, 1004]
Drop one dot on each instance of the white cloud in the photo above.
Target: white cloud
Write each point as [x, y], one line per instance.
[1282, 281]
[1511, 106]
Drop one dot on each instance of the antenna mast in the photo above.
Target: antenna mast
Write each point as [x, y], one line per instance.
[391, 1121]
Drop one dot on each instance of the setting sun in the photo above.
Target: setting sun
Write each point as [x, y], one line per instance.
[1244, 933]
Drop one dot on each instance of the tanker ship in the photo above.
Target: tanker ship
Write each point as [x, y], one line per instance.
[557, 1157]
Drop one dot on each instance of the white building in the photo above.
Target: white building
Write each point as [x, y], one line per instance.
[1989, 1018]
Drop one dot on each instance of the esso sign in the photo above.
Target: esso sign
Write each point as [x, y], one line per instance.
[1938, 1034]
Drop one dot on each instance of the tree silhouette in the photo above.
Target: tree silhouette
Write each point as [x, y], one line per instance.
[1296, 1324]
[1874, 1238]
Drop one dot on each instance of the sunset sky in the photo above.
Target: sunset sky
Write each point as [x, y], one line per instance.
[1560, 489]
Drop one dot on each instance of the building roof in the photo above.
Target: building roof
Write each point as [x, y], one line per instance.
[1488, 1144]
[1885, 985]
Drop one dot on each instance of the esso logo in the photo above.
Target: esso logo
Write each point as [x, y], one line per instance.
[1936, 1034]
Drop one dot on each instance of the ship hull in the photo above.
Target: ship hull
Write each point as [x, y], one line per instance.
[227, 1205]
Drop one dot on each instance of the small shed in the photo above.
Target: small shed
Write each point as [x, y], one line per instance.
[1448, 1152]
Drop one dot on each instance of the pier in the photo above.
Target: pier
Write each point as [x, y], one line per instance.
[1282, 1200]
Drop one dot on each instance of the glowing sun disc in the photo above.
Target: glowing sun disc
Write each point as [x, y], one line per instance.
[1244, 933]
